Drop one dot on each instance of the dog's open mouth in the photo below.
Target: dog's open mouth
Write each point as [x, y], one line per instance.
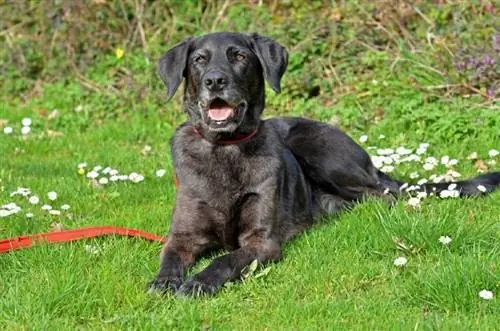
[220, 110]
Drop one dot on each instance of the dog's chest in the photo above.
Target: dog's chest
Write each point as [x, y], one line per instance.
[223, 179]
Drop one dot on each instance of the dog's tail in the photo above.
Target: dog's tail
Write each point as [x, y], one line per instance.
[479, 185]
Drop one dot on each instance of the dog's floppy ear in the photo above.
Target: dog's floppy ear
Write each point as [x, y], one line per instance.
[273, 57]
[172, 66]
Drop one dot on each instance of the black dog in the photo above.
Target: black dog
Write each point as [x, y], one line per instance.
[246, 184]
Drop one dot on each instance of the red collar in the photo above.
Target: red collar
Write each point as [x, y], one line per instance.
[237, 139]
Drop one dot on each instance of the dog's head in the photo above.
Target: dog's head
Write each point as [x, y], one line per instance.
[224, 74]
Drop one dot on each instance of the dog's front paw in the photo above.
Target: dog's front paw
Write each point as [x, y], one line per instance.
[164, 284]
[196, 288]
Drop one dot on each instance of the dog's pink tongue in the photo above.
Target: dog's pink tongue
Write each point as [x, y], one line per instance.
[220, 113]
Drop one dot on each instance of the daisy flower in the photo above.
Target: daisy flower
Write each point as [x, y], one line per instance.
[400, 261]
[26, 121]
[135, 177]
[25, 130]
[445, 240]
[481, 188]
[92, 174]
[34, 200]
[52, 195]
[493, 152]
[414, 202]
[486, 295]
[160, 172]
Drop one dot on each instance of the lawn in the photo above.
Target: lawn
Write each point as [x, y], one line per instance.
[397, 87]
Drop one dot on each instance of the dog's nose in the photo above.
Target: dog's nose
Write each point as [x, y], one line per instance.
[215, 80]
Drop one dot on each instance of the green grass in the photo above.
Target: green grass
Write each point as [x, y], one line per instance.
[337, 275]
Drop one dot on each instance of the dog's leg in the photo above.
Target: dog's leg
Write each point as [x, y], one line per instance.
[228, 267]
[255, 239]
[177, 255]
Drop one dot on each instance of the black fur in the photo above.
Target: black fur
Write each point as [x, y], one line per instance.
[251, 197]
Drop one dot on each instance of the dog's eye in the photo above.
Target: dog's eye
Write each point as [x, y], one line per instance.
[240, 57]
[199, 59]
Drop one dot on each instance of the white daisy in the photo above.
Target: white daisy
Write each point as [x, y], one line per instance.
[414, 175]
[34, 200]
[46, 207]
[387, 151]
[400, 261]
[431, 160]
[92, 174]
[422, 195]
[52, 195]
[428, 166]
[25, 130]
[413, 188]
[11, 206]
[414, 202]
[486, 295]
[26, 121]
[5, 213]
[481, 188]
[387, 168]
[493, 152]
[8, 130]
[103, 181]
[55, 212]
[403, 151]
[445, 240]
[135, 177]
[422, 181]
[65, 207]
[160, 172]
[472, 156]
[436, 179]
[363, 138]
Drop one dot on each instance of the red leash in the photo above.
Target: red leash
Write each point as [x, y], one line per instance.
[11, 244]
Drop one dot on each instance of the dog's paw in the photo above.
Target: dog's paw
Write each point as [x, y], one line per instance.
[162, 285]
[196, 288]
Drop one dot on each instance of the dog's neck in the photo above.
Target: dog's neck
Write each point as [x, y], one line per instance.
[227, 139]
